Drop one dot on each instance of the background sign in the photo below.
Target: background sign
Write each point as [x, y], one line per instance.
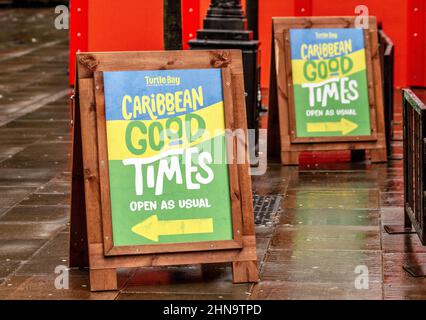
[166, 149]
[330, 82]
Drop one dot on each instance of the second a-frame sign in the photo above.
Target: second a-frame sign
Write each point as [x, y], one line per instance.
[326, 88]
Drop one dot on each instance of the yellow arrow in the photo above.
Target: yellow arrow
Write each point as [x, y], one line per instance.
[152, 228]
[344, 126]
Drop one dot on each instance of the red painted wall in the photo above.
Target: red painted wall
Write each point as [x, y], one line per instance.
[393, 16]
[110, 25]
[396, 16]
[424, 43]
[78, 32]
[416, 38]
[267, 10]
[107, 25]
[403, 20]
[125, 25]
[190, 20]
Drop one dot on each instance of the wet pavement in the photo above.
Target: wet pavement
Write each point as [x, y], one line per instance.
[317, 224]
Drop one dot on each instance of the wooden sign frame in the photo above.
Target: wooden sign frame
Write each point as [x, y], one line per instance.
[91, 243]
[282, 133]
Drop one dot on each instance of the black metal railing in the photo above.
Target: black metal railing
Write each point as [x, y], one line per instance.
[414, 118]
[387, 57]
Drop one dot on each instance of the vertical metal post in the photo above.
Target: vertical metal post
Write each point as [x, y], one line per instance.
[409, 167]
[225, 27]
[406, 138]
[252, 13]
[172, 25]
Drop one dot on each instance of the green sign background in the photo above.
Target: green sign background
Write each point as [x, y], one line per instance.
[330, 83]
[182, 221]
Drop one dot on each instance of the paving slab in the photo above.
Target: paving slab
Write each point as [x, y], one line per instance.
[331, 217]
[18, 249]
[398, 284]
[37, 213]
[208, 281]
[282, 290]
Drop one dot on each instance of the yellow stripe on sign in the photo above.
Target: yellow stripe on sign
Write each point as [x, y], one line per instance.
[116, 133]
[152, 228]
[343, 126]
[358, 58]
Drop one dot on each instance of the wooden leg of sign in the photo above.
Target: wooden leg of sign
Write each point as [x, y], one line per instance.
[244, 271]
[378, 155]
[290, 158]
[103, 279]
[79, 256]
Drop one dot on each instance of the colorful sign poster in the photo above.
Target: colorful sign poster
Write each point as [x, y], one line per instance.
[330, 83]
[167, 157]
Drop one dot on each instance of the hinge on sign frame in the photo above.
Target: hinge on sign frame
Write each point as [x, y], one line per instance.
[71, 105]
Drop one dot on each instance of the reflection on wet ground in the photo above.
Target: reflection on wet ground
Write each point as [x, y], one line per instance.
[329, 223]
